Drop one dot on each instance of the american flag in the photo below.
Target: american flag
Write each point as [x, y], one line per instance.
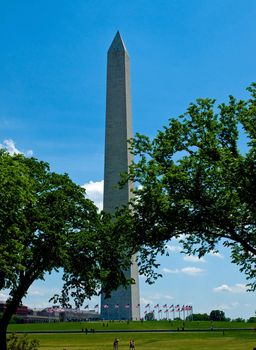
[50, 309]
[188, 308]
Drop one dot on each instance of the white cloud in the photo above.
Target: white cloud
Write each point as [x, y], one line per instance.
[153, 299]
[230, 306]
[192, 271]
[237, 288]
[94, 191]
[36, 293]
[29, 153]
[145, 301]
[216, 254]
[9, 145]
[194, 259]
[173, 248]
[160, 296]
[166, 270]
[4, 296]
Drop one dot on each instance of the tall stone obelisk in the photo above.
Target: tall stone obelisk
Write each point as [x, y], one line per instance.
[124, 302]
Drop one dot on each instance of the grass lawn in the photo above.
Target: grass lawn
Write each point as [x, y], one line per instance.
[230, 339]
[123, 325]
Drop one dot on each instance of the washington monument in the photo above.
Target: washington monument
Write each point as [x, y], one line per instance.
[124, 303]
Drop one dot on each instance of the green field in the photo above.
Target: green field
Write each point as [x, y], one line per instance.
[220, 338]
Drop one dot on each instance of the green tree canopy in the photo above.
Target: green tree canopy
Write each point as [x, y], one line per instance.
[217, 315]
[198, 317]
[196, 184]
[46, 223]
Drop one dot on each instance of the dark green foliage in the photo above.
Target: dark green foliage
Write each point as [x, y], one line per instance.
[21, 342]
[150, 316]
[239, 319]
[217, 315]
[198, 317]
[46, 223]
[197, 184]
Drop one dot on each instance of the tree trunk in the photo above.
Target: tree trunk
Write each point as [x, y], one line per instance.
[3, 330]
[6, 318]
[10, 310]
[12, 305]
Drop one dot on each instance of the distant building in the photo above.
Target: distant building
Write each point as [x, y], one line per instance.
[52, 314]
[78, 315]
[21, 310]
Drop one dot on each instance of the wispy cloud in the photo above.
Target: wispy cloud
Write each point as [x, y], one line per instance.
[156, 297]
[216, 254]
[192, 271]
[4, 296]
[166, 270]
[189, 270]
[145, 301]
[161, 296]
[94, 191]
[238, 288]
[231, 306]
[38, 292]
[194, 259]
[173, 248]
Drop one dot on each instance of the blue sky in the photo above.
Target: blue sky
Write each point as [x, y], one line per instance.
[52, 103]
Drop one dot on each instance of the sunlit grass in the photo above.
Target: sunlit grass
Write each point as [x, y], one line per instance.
[150, 341]
[221, 339]
[123, 325]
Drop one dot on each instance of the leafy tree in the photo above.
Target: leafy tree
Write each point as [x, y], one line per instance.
[252, 319]
[197, 185]
[198, 317]
[150, 316]
[46, 223]
[239, 319]
[22, 343]
[217, 315]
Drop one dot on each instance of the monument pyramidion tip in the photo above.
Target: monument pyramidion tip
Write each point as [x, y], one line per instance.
[117, 44]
